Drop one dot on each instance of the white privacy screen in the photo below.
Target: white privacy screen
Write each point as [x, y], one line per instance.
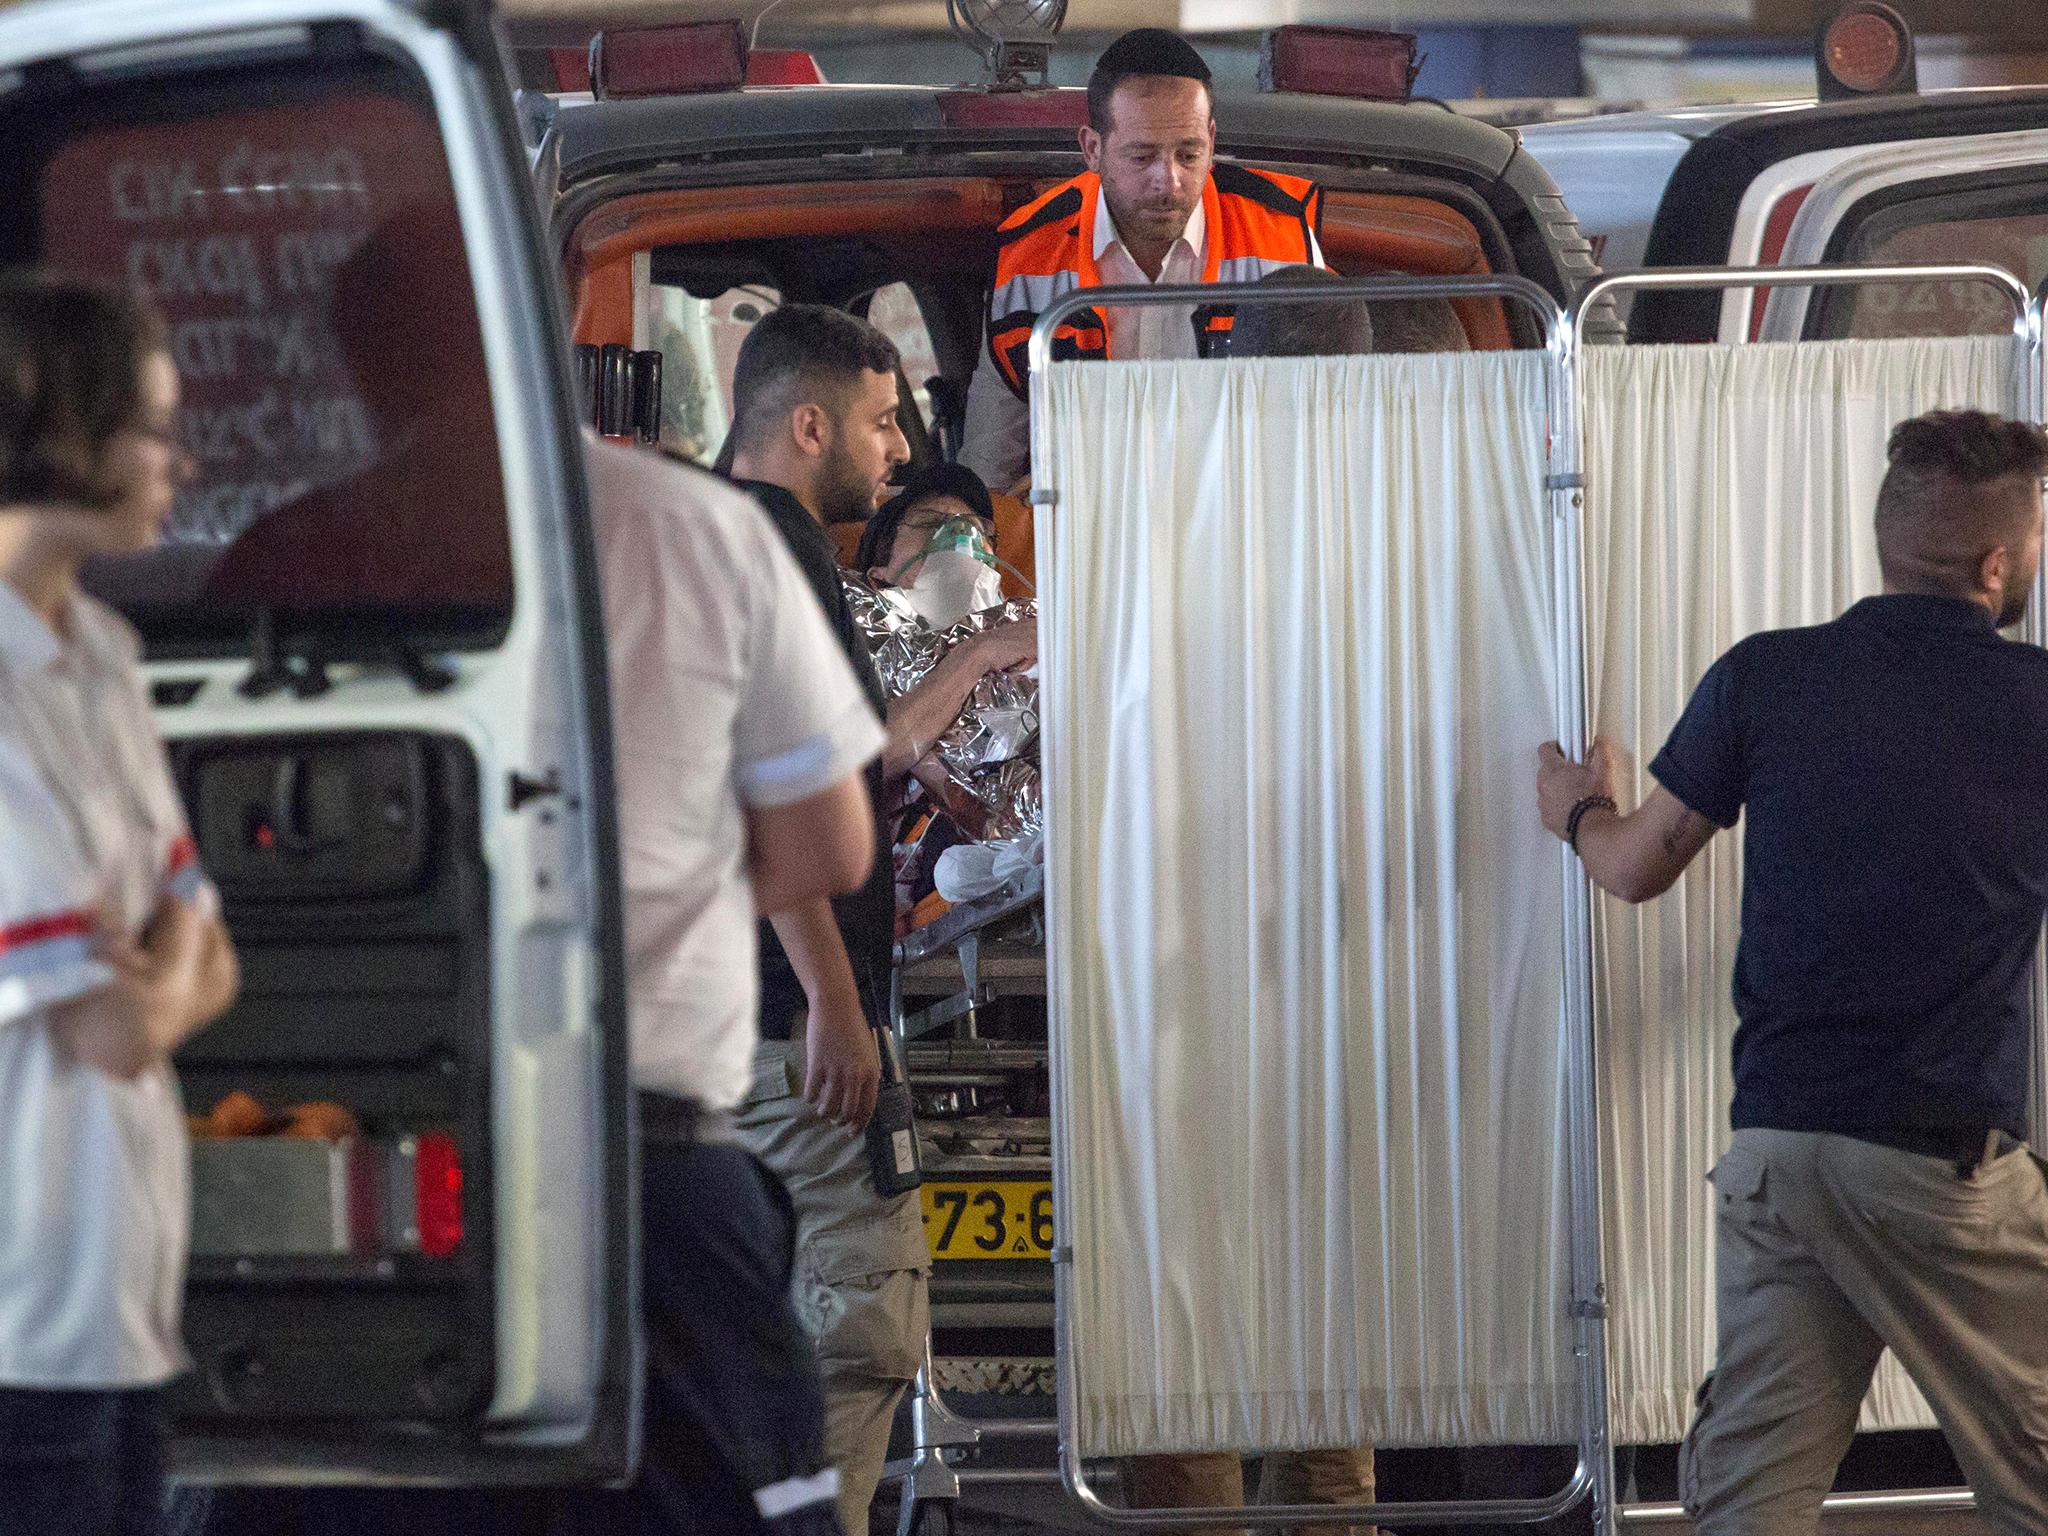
[1305, 927]
[1730, 490]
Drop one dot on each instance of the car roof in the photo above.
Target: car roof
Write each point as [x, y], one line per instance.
[794, 122]
[1688, 121]
[1697, 212]
[1752, 118]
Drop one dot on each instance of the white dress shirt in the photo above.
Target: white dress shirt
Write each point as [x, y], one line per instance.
[95, 1173]
[728, 691]
[1158, 331]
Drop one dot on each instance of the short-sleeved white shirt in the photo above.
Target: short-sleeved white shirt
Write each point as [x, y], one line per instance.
[728, 692]
[94, 1172]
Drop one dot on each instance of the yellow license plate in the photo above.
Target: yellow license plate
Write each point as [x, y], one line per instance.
[966, 1219]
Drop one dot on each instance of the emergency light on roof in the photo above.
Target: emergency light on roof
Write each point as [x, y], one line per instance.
[765, 66]
[1864, 49]
[1339, 61]
[679, 61]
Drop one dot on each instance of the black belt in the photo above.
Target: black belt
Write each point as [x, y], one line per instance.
[1968, 1150]
[670, 1117]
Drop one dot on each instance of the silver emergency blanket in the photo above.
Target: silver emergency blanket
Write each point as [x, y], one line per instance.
[991, 751]
[1304, 926]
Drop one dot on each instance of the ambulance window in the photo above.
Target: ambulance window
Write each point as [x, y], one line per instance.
[2006, 227]
[894, 311]
[699, 341]
[299, 233]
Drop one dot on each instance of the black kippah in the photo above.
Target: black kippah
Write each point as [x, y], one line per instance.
[1151, 51]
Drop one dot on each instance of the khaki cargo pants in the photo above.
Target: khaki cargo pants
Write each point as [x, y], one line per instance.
[1829, 1251]
[1215, 1480]
[862, 1264]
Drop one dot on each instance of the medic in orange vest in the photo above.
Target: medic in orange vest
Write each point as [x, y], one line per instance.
[1152, 207]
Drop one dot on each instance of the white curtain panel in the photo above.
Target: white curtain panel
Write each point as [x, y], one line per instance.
[1730, 490]
[1305, 927]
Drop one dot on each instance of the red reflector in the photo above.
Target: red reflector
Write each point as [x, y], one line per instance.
[783, 66]
[1014, 109]
[1777, 230]
[437, 1193]
[1339, 61]
[1863, 50]
[668, 61]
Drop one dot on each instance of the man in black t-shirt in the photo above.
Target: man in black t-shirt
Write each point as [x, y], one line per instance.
[1893, 765]
[815, 439]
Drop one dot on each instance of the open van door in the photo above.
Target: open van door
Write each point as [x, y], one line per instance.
[374, 643]
[1980, 198]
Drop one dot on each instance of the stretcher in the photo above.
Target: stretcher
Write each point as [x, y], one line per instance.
[947, 975]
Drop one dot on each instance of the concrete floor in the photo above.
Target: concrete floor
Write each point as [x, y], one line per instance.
[1028, 1512]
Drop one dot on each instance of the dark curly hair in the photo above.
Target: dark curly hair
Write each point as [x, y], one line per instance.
[71, 356]
[1961, 484]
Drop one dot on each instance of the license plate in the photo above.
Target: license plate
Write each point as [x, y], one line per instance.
[974, 1220]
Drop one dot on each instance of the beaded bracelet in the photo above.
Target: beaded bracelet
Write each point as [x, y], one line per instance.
[1590, 803]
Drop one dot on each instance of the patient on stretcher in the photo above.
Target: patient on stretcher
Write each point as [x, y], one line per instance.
[955, 658]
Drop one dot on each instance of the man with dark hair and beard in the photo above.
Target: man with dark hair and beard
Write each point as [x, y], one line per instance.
[1878, 1192]
[815, 439]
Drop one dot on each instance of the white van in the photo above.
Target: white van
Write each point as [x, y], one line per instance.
[394, 746]
[1957, 175]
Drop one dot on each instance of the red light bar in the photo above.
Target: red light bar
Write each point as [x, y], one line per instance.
[668, 61]
[783, 66]
[1339, 61]
[437, 1194]
[1014, 109]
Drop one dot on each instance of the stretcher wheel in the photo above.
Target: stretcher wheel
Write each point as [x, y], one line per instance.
[933, 1519]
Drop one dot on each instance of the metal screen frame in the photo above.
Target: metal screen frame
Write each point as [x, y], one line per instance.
[1594, 1473]
[1565, 333]
[2026, 404]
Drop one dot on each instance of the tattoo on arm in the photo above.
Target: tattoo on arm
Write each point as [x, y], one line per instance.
[1678, 833]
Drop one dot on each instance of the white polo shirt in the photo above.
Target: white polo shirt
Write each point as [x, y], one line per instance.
[728, 691]
[94, 1173]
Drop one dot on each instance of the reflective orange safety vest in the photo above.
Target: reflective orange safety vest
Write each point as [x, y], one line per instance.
[1258, 221]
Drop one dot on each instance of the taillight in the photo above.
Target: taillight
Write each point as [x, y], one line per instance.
[437, 1194]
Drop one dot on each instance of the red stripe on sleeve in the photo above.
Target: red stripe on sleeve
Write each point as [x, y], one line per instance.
[40, 930]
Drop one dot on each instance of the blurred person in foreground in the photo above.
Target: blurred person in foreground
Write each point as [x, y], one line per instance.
[112, 951]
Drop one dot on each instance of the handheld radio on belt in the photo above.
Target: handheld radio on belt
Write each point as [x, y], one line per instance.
[894, 1161]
